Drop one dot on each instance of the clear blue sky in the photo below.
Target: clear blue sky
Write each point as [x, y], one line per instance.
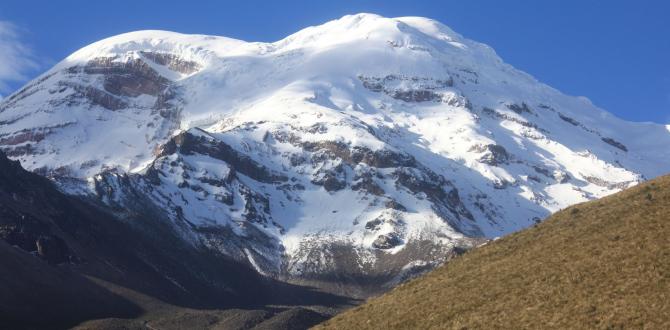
[615, 52]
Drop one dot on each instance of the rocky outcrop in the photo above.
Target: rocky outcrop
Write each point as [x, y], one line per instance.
[132, 77]
[387, 241]
[493, 154]
[366, 180]
[411, 89]
[415, 95]
[172, 61]
[352, 155]
[187, 143]
[558, 175]
[92, 96]
[568, 119]
[336, 266]
[607, 184]
[444, 196]
[615, 143]
[519, 108]
[392, 204]
[332, 179]
[497, 114]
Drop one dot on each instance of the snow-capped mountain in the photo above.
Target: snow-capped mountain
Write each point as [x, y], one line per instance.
[366, 148]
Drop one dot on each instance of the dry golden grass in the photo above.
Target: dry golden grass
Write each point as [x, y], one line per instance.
[599, 265]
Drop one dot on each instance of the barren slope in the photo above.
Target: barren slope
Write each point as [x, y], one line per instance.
[601, 264]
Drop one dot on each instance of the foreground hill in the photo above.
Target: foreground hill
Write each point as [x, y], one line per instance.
[601, 264]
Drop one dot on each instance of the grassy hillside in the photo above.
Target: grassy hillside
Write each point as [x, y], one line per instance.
[602, 264]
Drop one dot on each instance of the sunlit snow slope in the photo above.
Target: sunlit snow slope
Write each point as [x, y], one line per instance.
[391, 139]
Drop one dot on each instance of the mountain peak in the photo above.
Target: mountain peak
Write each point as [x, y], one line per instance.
[367, 28]
[370, 135]
[187, 46]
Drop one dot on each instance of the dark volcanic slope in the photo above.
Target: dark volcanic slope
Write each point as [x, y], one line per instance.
[65, 260]
[602, 264]
[33, 294]
[36, 225]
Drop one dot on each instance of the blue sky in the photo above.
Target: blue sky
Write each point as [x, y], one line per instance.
[617, 53]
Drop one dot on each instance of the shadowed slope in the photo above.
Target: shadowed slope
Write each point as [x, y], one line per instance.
[601, 264]
[36, 291]
[66, 260]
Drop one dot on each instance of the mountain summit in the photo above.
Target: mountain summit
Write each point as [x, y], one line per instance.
[361, 151]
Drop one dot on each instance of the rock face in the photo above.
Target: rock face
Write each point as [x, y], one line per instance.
[387, 241]
[92, 103]
[354, 153]
[493, 154]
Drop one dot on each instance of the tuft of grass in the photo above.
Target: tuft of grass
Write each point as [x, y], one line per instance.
[603, 264]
